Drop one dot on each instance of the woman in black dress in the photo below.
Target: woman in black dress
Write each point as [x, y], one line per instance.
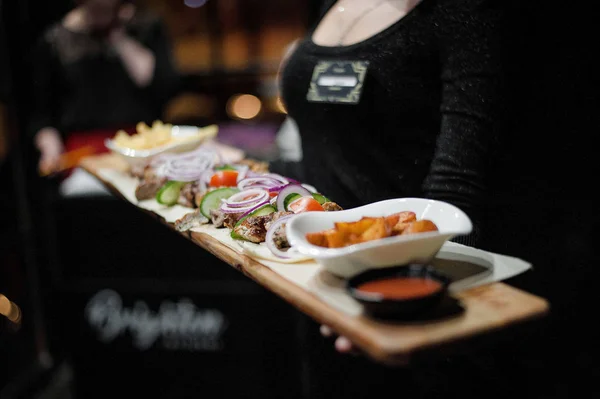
[400, 98]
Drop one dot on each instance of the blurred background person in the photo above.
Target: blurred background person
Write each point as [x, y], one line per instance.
[104, 66]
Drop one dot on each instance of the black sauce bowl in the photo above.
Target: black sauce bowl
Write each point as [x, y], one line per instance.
[401, 309]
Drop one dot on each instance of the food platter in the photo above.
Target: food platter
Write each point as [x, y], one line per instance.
[487, 304]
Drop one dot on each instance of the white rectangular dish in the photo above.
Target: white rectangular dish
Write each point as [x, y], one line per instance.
[391, 251]
[191, 137]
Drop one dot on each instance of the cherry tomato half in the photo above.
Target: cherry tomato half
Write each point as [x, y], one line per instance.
[305, 204]
[224, 178]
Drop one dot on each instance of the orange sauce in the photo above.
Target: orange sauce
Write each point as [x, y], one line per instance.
[401, 287]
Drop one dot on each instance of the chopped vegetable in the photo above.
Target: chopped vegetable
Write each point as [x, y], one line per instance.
[270, 242]
[320, 198]
[260, 211]
[245, 201]
[305, 204]
[289, 190]
[289, 199]
[224, 178]
[213, 199]
[169, 193]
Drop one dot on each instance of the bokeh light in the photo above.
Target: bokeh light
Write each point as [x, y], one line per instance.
[194, 3]
[244, 106]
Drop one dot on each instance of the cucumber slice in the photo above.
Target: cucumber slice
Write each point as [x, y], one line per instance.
[212, 199]
[262, 211]
[321, 199]
[289, 199]
[169, 193]
[225, 167]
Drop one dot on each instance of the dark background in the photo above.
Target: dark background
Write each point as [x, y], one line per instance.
[546, 197]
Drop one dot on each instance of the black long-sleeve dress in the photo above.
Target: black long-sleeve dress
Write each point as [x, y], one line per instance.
[80, 83]
[429, 115]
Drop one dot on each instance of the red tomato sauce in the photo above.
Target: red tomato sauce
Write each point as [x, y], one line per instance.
[401, 287]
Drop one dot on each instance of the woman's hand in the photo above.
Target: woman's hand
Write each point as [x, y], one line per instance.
[51, 147]
[137, 59]
[342, 344]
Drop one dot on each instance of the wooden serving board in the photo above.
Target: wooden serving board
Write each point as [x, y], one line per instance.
[487, 308]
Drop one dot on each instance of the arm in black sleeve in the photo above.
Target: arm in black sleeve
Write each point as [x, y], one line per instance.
[472, 108]
[44, 68]
[166, 79]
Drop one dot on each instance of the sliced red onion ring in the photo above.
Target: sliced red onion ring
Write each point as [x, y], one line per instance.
[189, 166]
[247, 197]
[242, 171]
[288, 190]
[277, 189]
[254, 182]
[282, 180]
[252, 173]
[270, 234]
[204, 180]
[310, 188]
[246, 209]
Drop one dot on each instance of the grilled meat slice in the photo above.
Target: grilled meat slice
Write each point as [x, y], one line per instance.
[138, 171]
[253, 228]
[231, 219]
[275, 216]
[186, 195]
[221, 219]
[197, 194]
[191, 220]
[217, 218]
[280, 238]
[198, 198]
[150, 173]
[331, 207]
[147, 189]
[255, 166]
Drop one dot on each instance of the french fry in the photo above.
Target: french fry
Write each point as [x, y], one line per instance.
[158, 134]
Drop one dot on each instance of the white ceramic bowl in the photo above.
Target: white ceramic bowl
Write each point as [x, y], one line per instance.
[136, 156]
[392, 251]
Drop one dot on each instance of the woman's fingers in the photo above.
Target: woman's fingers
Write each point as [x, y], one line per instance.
[326, 331]
[49, 163]
[342, 344]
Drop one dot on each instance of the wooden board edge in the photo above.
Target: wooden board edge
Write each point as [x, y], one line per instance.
[316, 308]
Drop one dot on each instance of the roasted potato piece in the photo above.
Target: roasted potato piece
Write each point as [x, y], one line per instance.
[402, 220]
[357, 227]
[400, 217]
[319, 238]
[336, 238]
[379, 229]
[370, 228]
[420, 226]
